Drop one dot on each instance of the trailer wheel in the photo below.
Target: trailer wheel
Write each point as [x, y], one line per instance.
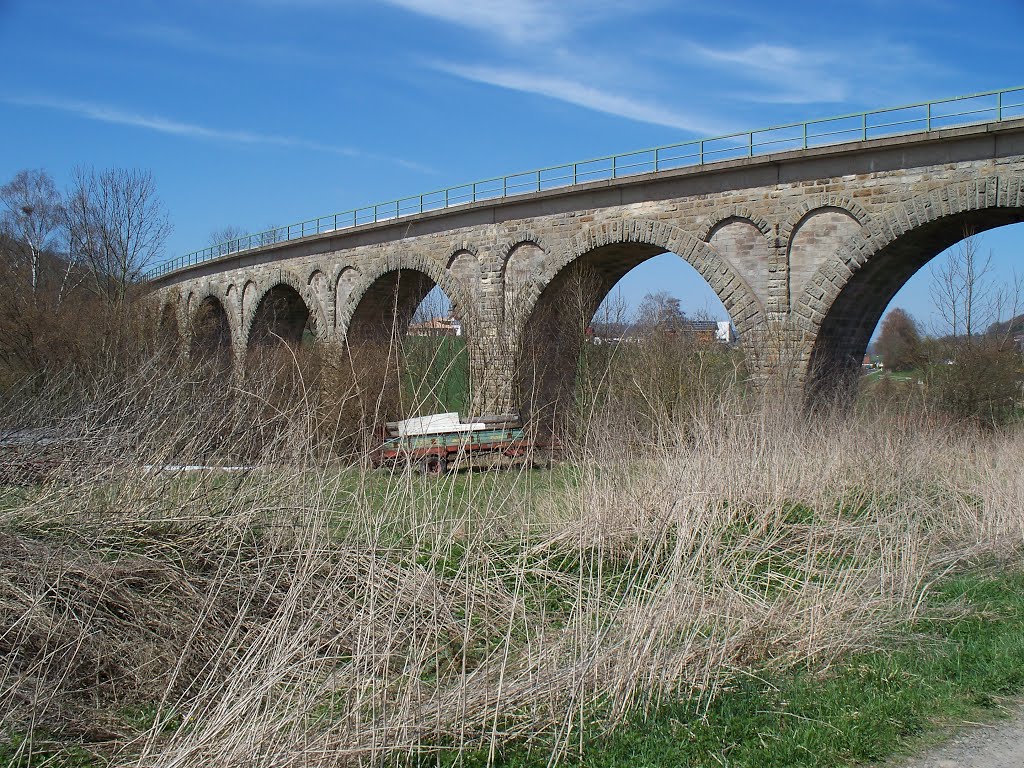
[433, 465]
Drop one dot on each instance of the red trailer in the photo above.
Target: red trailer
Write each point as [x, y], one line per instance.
[433, 443]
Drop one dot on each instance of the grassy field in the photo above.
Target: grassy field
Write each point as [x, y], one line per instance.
[961, 660]
[755, 587]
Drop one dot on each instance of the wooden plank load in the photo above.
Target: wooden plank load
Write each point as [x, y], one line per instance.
[431, 442]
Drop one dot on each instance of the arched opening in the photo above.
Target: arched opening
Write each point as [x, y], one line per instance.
[839, 349]
[281, 317]
[952, 338]
[281, 358]
[210, 333]
[626, 329]
[408, 343]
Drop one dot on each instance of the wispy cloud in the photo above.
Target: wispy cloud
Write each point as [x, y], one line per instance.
[581, 94]
[185, 39]
[107, 114]
[514, 20]
[789, 75]
[780, 74]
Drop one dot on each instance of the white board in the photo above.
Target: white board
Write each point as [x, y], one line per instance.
[437, 423]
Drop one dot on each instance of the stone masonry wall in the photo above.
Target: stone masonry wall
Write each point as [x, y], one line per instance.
[777, 240]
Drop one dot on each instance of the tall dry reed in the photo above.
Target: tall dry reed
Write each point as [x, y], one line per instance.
[300, 609]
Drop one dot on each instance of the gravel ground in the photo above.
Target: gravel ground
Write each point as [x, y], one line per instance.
[995, 745]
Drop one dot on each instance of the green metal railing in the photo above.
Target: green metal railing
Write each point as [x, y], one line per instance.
[991, 106]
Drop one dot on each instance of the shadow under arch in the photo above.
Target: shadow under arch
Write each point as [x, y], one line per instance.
[281, 315]
[549, 321]
[210, 333]
[284, 313]
[846, 297]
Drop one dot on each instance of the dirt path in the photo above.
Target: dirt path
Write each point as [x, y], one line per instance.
[995, 745]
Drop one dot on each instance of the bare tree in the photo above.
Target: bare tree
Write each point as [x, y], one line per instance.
[980, 374]
[31, 219]
[227, 239]
[612, 318]
[660, 310]
[116, 225]
[966, 293]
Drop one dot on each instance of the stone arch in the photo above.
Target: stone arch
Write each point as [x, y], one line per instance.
[317, 280]
[384, 280]
[815, 202]
[511, 245]
[824, 229]
[465, 265]
[740, 301]
[375, 318]
[842, 302]
[282, 308]
[520, 270]
[320, 285]
[343, 281]
[233, 302]
[594, 260]
[747, 245]
[722, 215]
[458, 246]
[169, 316]
[248, 297]
[526, 236]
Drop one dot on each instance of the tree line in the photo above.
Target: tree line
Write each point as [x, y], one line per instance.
[972, 364]
[70, 262]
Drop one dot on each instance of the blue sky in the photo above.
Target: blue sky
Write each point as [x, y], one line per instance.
[253, 113]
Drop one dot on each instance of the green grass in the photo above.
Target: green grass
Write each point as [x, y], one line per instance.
[436, 374]
[12, 748]
[960, 663]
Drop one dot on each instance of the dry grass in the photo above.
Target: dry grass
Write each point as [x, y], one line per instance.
[309, 612]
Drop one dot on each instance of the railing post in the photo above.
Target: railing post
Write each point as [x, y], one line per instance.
[614, 165]
[574, 174]
[750, 144]
[999, 107]
[538, 181]
[354, 215]
[446, 197]
[928, 117]
[701, 153]
[864, 126]
[656, 160]
[805, 135]
[421, 203]
[474, 191]
[504, 186]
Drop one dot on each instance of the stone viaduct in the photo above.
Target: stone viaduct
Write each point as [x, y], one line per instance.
[805, 249]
